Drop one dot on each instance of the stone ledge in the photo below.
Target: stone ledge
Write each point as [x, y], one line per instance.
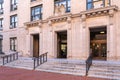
[59, 18]
[33, 23]
[67, 16]
[100, 11]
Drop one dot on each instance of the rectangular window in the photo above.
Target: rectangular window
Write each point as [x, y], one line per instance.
[1, 6]
[0, 45]
[14, 5]
[13, 44]
[93, 4]
[36, 13]
[66, 3]
[1, 24]
[13, 21]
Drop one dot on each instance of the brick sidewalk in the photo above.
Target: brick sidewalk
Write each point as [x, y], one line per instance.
[7, 73]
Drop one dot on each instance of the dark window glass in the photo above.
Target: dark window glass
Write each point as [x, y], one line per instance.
[93, 4]
[13, 21]
[1, 24]
[14, 5]
[1, 6]
[36, 13]
[13, 44]
[0, 45]
[33, 0]
[66, 3]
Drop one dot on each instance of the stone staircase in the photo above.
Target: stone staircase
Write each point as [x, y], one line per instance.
[105, 69]
[1, 59]
[22, 62]
[100, 69]
[64, 66]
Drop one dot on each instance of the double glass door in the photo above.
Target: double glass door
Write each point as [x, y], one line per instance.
[62, 44]
[98, 43]
[99, 50]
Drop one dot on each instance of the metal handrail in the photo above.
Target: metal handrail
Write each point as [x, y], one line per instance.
[9, 58]
[40, 60]
[88, 63]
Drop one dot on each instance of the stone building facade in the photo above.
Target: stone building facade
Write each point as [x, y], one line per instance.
[70, 29]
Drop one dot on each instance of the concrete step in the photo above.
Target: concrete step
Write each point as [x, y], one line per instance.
[64, 66]
[105, 75]
[64, 71]
[22, 62]
[1, 62]
[110, 70]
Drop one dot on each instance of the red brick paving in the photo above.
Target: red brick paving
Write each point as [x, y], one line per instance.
[7, 73]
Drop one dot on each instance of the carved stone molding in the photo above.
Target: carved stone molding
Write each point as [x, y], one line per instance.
[111, 20]
[49, 23]
[83, 17]
[60, 18]
[69, 19]
[60, 10]
[57, 10]
[111, 13]
[33, 24]
[100, 11]
[40, 24]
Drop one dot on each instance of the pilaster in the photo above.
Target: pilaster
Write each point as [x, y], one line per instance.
[85, 43]
[69, 38]
[111, 37]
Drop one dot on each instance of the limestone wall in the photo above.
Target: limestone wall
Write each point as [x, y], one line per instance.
[78, 32]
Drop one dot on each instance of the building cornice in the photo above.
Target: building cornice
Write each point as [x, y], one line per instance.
[100, 11]
[68, 16]
[59, 18]
[33, 23]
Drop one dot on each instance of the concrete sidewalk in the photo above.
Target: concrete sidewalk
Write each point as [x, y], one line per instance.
[7, 73]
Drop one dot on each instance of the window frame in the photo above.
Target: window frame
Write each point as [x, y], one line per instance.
[1, 8]
[33, 0]
[33, 13]
[1, 23]
[15, 2]
[92, 2]
[13, 44]
[14, 23]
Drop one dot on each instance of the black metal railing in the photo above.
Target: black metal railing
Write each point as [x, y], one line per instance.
[88, 63]
[9, 58]
[40, 60]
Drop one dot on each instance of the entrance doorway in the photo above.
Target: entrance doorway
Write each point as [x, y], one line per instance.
[98, 43]
[62, 44]
[36, 45]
